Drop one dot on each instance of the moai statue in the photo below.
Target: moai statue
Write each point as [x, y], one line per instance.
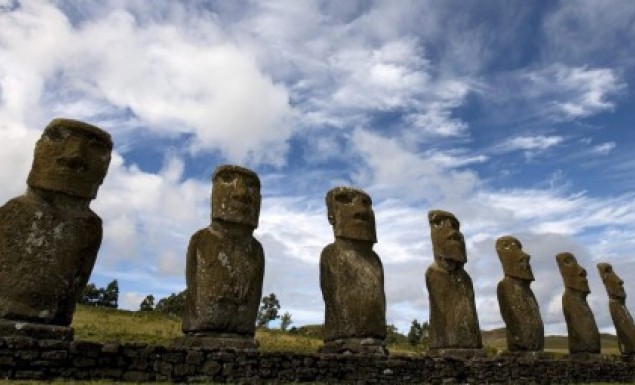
[622, 319]
[225, 266]
[49, 237]
[518, 305]
[454, 327]
[352, 277]
[584, 337]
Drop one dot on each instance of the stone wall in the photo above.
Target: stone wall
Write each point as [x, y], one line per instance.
[26, 358]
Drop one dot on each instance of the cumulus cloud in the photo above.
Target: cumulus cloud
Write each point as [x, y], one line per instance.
[392, 169]
[372, 71]
[171, 80]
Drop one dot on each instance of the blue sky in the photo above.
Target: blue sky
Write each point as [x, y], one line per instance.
[516, 116]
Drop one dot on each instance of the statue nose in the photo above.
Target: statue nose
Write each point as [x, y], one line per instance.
[73, 154]
[240, 191]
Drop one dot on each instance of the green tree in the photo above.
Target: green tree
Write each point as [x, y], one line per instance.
[147, 304]
[106, 297]
[174, 304]
[419, 333]
[285, 321]
[392, 334]
[268, 310]
[110, 297]
[91, 295]
[414, 335]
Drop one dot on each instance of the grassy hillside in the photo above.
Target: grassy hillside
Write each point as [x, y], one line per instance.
[557, 344]
[109, 325]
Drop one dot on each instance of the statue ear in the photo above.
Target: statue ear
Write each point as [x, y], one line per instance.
[331, 219]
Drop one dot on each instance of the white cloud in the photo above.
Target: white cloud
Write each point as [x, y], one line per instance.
[538, 142]
[568, 93]
[149, 218]
[173, 80]
[131, 300]
[604, 148]
[345, 69]
[392, 170]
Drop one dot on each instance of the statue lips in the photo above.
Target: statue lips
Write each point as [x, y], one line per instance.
[455, 236]
[584, 282]
[72, 165]
[621, 293]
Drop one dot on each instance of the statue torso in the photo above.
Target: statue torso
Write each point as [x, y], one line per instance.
[520, 311]
[352, 284]
[224, 280]
[453, 318]
[46, 256]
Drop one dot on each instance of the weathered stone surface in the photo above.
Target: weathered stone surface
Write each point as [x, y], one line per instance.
[225, 263]
[216, 341]
[516, 300]
[352, 276]
[49, 237]
[583, 333]
[153, 363]
[622, 319]
[453, 319]
[36, 330]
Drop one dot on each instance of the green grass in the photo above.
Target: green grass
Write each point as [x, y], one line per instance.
[109, 325]
[554, 344]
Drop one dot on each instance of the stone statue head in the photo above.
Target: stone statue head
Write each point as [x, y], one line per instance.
[574, 275]
[71, 157]
[614, 285]
[236, 195]
[350, 212]
[514, 260]
[448, 245]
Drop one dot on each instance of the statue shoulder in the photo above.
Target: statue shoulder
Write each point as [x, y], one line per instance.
[435, 270]
[257, 246]
[20, 202]
[204, 234]
[328, 253]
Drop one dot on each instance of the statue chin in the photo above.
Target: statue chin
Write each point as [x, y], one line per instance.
[521, 274]
[357, 233]
[449, 264]
[57, 183]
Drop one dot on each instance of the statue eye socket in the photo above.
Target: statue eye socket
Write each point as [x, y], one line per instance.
[95, 141]
[344, 197]
[251, 184]
[55, 135]
[226, 177]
